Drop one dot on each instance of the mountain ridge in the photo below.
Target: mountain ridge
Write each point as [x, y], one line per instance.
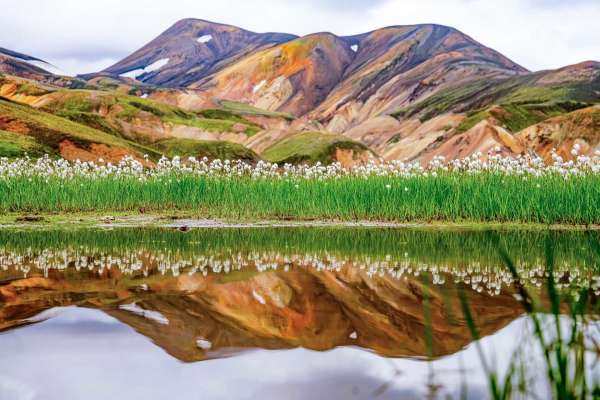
[406, 91]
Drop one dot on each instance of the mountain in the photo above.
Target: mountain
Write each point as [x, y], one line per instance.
[14, 63]
[92, 124]
[401, 92]
[322, 72]
[89, 124]
[190, 50]
[293, 77]
[194, 318]
[398, 66]
[485, 114]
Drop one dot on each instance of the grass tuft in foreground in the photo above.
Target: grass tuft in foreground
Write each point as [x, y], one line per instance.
[561, 332]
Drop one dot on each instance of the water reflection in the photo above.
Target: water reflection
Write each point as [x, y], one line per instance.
[213, 294]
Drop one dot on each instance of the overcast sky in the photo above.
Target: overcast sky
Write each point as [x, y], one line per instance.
[85, 36]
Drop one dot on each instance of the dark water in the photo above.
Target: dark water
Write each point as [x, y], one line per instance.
[275, 313]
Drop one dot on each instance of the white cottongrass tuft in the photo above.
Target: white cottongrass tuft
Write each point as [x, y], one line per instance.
[526, 167]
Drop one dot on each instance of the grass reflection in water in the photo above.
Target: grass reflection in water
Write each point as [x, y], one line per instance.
[400, 293]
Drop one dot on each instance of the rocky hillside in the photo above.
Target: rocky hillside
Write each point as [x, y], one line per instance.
[325, 74]
[19, 64]
[92, 124]
[404, 92]
[191, 50]
[485, 114]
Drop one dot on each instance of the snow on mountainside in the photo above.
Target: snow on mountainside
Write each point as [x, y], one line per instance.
[195, 49]
[16, 63]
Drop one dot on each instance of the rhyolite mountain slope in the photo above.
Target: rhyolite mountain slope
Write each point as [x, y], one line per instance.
[398, 66]
[14, 63]
[190, 50]
[407, 92]
[25, 66]
[375, 72]
[490, 113]
[293, 77]
[90, 124]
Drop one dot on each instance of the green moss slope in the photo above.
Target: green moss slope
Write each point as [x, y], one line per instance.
[204, 148]
[310, 147]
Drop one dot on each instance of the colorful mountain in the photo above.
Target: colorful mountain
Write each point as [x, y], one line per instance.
[405, 92]
[19, 64]
[190, 50]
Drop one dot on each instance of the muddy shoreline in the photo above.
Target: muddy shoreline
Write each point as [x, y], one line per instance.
[185, 221]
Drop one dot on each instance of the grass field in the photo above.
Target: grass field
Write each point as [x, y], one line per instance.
[449, 197]
[492, 189]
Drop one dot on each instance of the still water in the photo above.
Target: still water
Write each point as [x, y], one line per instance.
[279, 313]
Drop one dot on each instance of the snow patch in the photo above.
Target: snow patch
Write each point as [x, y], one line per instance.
[47, 314]
[47, 67]
[148, 314]
[155, 66]
[258, 86]
[133, 74]
[354, 48]
[203, 344]
[205, 38]
[258, 297]
[40, 64]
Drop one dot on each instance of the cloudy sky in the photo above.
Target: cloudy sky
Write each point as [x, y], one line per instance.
[91, 349]
[84, 36]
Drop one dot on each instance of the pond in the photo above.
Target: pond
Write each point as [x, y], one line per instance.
[293, 313]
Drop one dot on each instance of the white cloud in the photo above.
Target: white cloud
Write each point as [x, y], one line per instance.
[83, 36]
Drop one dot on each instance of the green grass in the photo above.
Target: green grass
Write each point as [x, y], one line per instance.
[218, 121]
[567, 356]
[91, 120]
[204, 148]
[81, 106]
[30, 89]
[516, 117]
[13, 145]
[244, 108]
[520, 90]
[455, 197]
[230, 118]
[49, 130]
[216, 125]
[445, 101]
[537, 94]
[309, 147]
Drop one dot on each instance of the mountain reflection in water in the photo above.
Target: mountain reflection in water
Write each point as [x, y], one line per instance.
[213, 294]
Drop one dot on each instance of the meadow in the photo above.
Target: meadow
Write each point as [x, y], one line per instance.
[475, 189]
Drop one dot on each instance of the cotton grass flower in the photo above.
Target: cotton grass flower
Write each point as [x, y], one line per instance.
[525, 166]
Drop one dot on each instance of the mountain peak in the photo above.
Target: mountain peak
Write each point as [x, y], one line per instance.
[19, 64]
[190, 50]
